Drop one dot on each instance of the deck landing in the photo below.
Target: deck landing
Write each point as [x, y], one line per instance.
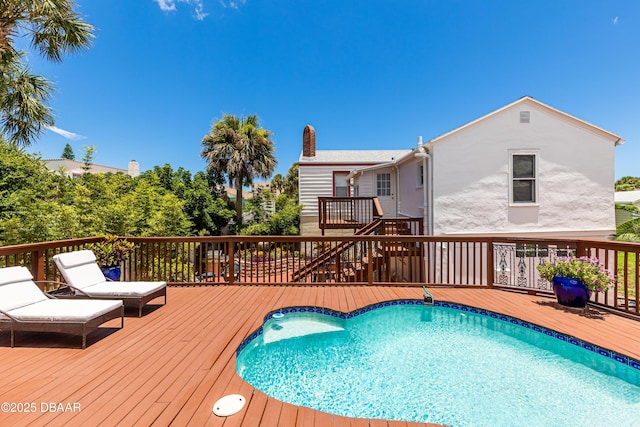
[171, 365]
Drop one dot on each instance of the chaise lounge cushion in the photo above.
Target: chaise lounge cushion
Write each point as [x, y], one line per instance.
[53, 310]
[24, 307]
[79, 268]
[81, 272]
[123, 289]
[17, 289]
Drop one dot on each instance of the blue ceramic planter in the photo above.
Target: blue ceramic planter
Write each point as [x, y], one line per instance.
[111, 273]
[571, 292]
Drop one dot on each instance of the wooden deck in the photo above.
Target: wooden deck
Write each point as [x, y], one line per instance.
[171, 365]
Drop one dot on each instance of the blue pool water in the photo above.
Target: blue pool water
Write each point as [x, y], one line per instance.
[447, 364]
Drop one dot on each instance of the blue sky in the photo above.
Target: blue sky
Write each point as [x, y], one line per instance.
[365, 73]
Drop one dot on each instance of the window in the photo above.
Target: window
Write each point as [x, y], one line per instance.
[340, 184]
[383, 184]
[523, 178]
[420, 175]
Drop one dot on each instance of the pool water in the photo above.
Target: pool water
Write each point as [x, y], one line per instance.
[440, 365]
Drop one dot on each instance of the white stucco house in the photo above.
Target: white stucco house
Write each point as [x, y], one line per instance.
[74, 168]
[526, 169]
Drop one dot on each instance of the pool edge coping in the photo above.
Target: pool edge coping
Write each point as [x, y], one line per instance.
[614, 356]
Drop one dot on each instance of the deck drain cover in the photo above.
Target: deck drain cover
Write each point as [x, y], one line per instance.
[229, 405]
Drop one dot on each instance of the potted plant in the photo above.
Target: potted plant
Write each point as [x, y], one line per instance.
[574, 279]
[110, 253]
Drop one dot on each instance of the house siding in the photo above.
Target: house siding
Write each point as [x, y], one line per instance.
[410, 202]
[368, 186]
[575, 175]
[314, 182]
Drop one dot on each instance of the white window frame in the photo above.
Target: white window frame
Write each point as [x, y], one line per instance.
[346, 187]
[535, 178]
[420, 174]
[378, 186]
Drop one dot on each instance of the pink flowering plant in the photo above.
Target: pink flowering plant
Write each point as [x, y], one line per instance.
[588, 269]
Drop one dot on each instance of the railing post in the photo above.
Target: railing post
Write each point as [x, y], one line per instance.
[581, 249]
[37, 264]
[370, 263]
[230, 268]
[490, 272]
[324, 215]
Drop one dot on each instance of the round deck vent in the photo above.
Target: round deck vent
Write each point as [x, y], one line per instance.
[229, 405]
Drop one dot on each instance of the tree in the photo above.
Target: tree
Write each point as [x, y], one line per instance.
[627, 183]
[291, 182]
[285, 221]
[87, 159]
[38, 205]
[277, 183]
[241, 150]
[25, 190]
[168, 219]
[54, 29]
[208, 214]
[23, 96]
[67, 153]
[629, 231]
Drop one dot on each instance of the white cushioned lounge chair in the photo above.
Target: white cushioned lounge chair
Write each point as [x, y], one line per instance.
[82, 274]
[24, 307]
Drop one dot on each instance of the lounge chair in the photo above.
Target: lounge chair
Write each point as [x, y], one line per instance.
[82, 274]
[24, 307]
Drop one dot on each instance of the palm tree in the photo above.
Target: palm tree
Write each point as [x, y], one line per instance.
[291, 181]
[54, 29]
[241, 150]
[277, 183]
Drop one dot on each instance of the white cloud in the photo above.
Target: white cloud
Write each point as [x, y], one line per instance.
[615, 21]
[171, 5]
[200, 14]
[233, 4]
[66, 134]
[166, 5]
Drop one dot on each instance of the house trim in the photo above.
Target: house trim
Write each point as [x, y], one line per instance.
[336, 164]
[595, 129]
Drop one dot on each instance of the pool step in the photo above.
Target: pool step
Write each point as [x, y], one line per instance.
[291, 326]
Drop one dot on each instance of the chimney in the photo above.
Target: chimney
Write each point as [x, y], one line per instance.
[133, 169]
[309, 141]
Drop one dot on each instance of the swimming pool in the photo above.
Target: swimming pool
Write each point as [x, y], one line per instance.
[447, 364]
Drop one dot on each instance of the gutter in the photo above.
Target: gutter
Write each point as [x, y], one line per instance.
[427, 187]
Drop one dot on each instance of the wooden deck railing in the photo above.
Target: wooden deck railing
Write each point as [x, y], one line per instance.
[504, 263]
[347, 212]
[38, 257]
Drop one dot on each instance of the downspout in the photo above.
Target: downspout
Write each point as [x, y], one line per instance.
[426, 201]
[430, 195]
[427, 190]
[397, 190]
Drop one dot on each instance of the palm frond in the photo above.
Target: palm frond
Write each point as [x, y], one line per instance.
[24, 114]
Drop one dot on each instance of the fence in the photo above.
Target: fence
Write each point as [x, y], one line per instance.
[409, 260]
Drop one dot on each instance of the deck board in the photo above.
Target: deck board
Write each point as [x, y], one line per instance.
[171, 365]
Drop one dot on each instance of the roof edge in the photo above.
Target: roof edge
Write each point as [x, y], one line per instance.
[614, 137]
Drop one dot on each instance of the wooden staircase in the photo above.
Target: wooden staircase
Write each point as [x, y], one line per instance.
[330, 266]
[322, 262]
